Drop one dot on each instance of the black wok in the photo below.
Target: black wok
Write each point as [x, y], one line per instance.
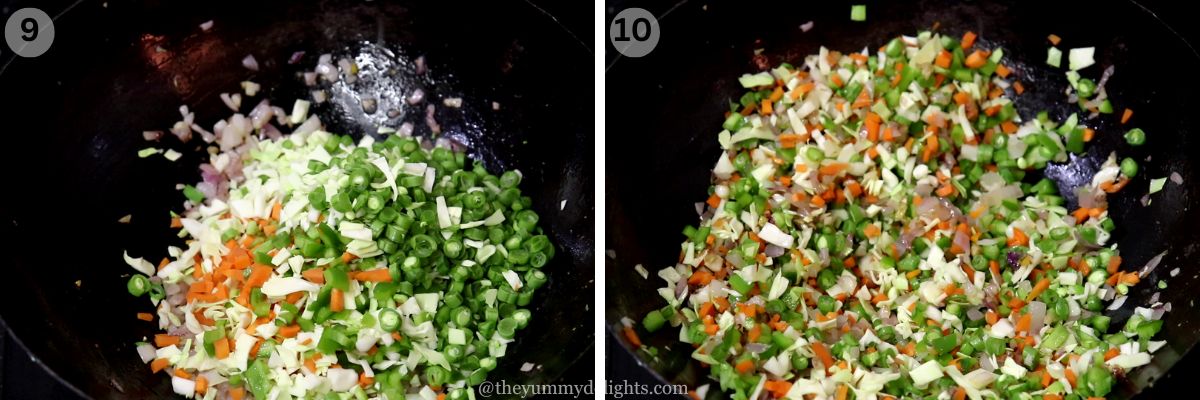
[75, 116]
[676, 95]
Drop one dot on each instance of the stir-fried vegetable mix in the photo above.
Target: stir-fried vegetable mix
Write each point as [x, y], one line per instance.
[334, 270]
[878, 227]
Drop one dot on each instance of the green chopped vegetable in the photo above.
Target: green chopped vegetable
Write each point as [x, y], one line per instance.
[858, 12]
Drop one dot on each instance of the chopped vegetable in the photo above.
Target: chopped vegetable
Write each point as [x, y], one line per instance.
[333, 268]
[886, 233]
[1054, 57]
[858, 12]
[1081, 58]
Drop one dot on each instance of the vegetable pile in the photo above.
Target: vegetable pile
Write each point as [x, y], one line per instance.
[317, 267]
[878, 227]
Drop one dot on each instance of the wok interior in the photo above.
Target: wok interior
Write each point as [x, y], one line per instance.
[118, 68]
[683, 88]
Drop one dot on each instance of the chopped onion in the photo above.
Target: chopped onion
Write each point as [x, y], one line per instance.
[250, 63]
[1175, 177]
[234, 102]
[1117, 303]
[1037, 313]
[206, 25]
[807, 26]
[430, 121]
[146, 352]
[152, 136]
[250, 88]
[417, 96]
[1151, 265]
[310, 125]
[296, 56]
[406, 129]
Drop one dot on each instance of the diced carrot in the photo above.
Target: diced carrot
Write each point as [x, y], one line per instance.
[835, 79]
[1040, 287]
[337, 300]
[946, 190]
[145, 316]
[1054, 39]
[159, 364]
[714, 201]
[1081, 215]
[1018, 87]
[1049, 396]
[632, 337]
[1125, 116]
[1018, 238]
[747, 110]
[258, 276]
[943, 59]
[275, 210]
[1024, 323]
[790, 140]
[822, 352]
[842, 392]
[968, 40]
[744, 366]
[221, 348]
[766, 108]
[1113, 264]
[872, 123]
[290, 330]
[754, 333]
[700, 277]
[991, 317]
[1089, 134]
[872, 230]
[314, 275]
[833, 168]
[201, 384]
[1111, 353]
[977, 59]
[1002, 71]
[962, 98]
[1070, 376]
[311, 364]
[721, 303]
[959, 393]
[375, 275]
[931, 146]
[1008, 127]
[365, 381]
[778, 389]
[237, 393]
[786, 181]
[164, 340]
[294, 297]
[800, 90]
[776, 95]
